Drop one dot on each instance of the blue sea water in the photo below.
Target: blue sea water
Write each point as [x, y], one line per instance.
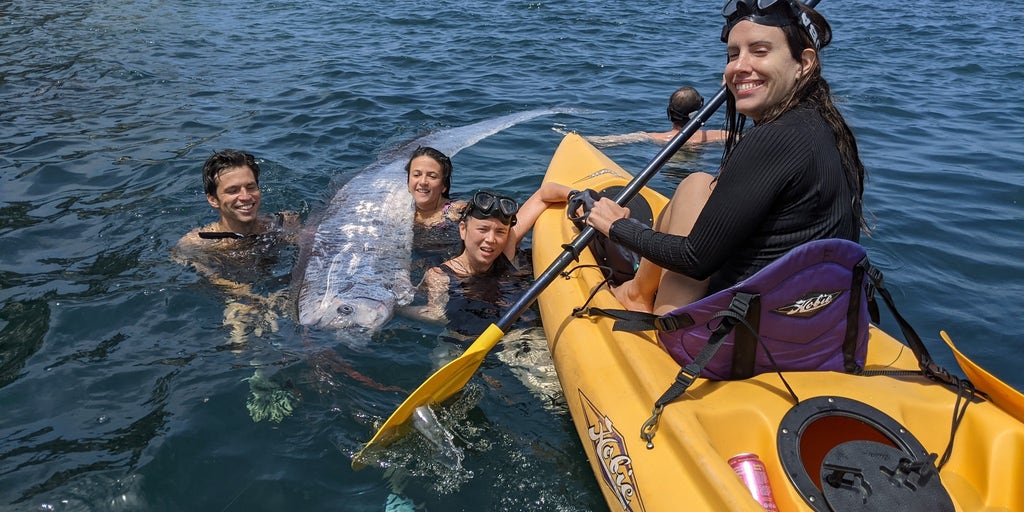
[119, 389]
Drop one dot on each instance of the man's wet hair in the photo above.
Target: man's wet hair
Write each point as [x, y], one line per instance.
[226, 159]
[682, 103]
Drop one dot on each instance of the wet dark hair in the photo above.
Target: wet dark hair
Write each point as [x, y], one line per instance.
[811, 89]
[439, 157]
[682, 103]
[226, 159]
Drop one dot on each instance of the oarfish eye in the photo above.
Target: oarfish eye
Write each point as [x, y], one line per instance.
[345, 310]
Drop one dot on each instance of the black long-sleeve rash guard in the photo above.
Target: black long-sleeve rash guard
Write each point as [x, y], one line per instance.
[783, 186]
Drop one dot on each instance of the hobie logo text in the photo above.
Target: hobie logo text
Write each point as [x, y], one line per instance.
[809, 305]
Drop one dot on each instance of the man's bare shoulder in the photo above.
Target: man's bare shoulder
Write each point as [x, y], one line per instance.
[192, 240]
[191, 244]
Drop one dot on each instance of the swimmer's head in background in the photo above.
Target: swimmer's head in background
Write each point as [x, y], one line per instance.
[440, 158]
[488, 205]
[683, 102]
[226, 159]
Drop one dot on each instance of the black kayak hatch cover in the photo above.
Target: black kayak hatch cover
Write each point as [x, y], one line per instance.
[868, 476]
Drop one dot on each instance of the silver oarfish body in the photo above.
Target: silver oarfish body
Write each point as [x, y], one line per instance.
[355, 269]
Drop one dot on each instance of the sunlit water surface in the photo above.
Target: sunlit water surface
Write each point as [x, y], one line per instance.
[119, 386]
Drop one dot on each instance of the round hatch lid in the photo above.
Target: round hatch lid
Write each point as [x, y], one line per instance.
[868, 476]
[816, 425]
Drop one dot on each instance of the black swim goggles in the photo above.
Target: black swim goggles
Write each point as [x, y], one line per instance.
[772, 13]
[486, 205]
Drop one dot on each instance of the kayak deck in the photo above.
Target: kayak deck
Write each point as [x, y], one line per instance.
[612, 379]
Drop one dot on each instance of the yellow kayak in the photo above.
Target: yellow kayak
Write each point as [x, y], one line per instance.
[612, 379]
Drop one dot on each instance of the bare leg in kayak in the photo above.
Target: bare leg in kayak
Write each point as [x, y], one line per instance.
[642, 292]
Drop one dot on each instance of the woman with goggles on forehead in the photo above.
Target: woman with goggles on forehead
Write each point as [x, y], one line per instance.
[491, 229]
[793, 177]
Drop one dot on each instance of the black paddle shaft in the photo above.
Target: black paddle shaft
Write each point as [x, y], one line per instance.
[624, 196]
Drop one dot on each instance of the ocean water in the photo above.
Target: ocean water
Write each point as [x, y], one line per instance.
[119, 387]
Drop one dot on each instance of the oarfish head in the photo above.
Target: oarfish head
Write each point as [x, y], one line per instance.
[338, 313]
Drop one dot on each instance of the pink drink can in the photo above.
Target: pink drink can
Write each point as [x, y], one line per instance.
[753, 473]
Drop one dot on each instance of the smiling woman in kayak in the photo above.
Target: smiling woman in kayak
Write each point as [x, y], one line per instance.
[795, 176]
[480, 279]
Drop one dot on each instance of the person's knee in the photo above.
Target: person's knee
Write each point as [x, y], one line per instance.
[697, 183]
[687, 203]
[695, 188]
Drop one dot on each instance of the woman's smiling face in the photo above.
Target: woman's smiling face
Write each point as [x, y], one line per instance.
[761, 71]
[426, 182]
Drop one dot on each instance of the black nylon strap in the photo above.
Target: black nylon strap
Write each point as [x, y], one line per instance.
[220, 235]
[633, 321]
[736, 313]
[690, 372]
[853, 318]
[924, 359]
[745, 341]
[966, 392]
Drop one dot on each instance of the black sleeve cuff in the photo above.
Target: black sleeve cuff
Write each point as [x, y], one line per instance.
[627, 232]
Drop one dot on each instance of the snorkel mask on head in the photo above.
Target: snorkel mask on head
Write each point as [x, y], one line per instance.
[772, 13]
[486, 205]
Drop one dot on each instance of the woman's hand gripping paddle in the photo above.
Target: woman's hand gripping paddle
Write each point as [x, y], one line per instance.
[453, 376]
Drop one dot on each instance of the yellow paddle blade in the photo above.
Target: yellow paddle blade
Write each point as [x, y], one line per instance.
[999, 392]
[442, 384]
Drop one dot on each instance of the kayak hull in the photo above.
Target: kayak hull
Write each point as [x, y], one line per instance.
[611, 381]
